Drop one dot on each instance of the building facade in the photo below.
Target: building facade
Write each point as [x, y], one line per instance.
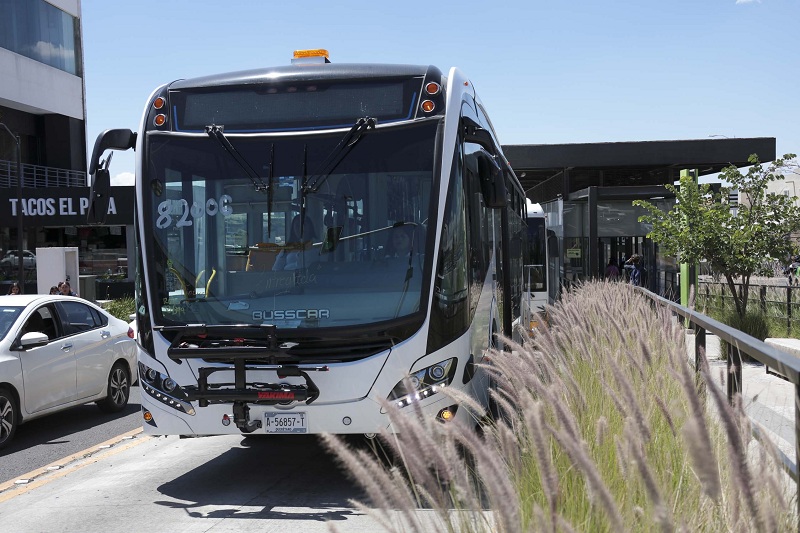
[42, 102]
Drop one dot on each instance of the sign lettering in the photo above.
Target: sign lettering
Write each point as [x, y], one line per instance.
[42, 207]
[62, 206]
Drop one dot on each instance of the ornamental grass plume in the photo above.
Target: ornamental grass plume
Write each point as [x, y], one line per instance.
[600, 428]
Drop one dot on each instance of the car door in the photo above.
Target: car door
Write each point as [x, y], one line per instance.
[48, 371]
[90, 338]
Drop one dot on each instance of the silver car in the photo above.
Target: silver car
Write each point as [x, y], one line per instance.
[10, 261]
[57, 352]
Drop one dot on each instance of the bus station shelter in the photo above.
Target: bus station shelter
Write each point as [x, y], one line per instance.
[587, 190]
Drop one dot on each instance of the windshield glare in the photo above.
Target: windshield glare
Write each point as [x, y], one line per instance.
[229, 248]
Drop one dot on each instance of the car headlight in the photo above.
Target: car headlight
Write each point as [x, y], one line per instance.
[424, 383]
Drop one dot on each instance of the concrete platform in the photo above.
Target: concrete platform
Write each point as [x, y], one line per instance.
[768, 399]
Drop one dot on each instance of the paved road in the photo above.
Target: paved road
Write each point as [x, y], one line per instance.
[221, 484]
[50, 438]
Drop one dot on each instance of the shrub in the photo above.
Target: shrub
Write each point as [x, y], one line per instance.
[755, 323]
[602, 429]
[121, 308]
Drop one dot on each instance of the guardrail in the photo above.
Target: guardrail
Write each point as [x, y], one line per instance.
[714, 295]
[739, 343]
[40, 176]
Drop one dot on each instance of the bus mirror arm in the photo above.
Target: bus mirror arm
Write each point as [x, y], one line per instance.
[119, 139]
[474, 133]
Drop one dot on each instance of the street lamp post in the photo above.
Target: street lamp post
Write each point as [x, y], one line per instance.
[20, 262]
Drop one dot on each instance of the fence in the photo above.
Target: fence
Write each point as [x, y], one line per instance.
[740, 343]
[779, 302]
[38, 176]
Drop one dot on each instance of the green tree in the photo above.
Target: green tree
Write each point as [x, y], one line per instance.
[736, 243]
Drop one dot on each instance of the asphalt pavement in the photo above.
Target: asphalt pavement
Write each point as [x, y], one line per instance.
[50, 438]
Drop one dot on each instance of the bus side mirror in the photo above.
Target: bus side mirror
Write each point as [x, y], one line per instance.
[120, 139]
[99, 195]
[493, 184]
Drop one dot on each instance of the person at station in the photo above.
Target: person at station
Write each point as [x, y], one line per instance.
[790, 270]
[298, 252]
[634, 268]
[796, 265]
[14, 289]
[65, 289]
[612, 270]
[400, 242]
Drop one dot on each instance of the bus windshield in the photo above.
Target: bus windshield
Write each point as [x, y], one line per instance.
[269, 234]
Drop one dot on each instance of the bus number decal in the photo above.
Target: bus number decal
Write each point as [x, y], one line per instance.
[167, 209]
[184, 221]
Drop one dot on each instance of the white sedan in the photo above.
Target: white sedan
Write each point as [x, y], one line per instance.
[58, 352]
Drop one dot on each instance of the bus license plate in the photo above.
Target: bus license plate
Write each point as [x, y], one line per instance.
[285, 423]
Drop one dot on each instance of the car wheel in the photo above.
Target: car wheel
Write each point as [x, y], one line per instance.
[9, 416]
[119, 390]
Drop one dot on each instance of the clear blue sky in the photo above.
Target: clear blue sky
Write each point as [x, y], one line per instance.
[547, 71]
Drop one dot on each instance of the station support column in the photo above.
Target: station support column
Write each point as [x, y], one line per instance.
[688, 271]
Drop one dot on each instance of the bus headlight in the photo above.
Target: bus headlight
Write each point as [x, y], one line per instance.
[424, 383]
[169, 384]
[164, 389]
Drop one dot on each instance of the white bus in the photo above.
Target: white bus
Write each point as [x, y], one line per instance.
[274, 294]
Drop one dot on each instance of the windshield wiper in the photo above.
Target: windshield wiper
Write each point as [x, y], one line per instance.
[409, 271]
[216, 133]
[336, 156]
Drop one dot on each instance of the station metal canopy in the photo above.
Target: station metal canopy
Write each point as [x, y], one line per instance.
[547, 171]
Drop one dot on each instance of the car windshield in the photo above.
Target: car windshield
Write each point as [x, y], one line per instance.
[8, 315]
[290, 241]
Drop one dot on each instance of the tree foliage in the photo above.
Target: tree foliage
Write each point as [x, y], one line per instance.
[737, 243]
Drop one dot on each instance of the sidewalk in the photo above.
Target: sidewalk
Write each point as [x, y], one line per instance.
[768, 399]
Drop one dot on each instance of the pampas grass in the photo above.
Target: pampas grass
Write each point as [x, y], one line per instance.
[602, 428]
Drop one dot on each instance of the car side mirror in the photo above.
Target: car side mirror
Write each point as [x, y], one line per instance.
[33, 339]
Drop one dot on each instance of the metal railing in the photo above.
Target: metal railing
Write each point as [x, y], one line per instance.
[40, 176]
[780, 303]
[739, 343]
